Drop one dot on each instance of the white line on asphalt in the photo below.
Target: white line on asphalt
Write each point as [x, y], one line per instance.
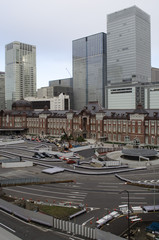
[40, 195]
[80, 193]
[87, 221]
[27, 223]
[141, 190]
[7, 227]
[65, 234]
[71, 196]
[150, 193]
[133, 197]
[38, 190]
[76, 195]
[138, 203]
[107, 186]
[104, 183]
[93, 208]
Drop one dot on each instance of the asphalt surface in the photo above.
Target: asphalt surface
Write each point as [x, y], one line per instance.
[99, 194]
[27, 231]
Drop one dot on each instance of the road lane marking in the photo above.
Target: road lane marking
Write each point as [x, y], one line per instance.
[79, 193]
[71, 196]
[27, 223]
[87, 221]
[107, 186]
[103, 183]
[40, 195]
[148, 193]
[38, 190]
[138, 203]
[7, 227]
[133, 198]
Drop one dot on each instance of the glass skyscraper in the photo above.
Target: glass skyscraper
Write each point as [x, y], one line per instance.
[20, 72]
[89, 70]
[128, 47]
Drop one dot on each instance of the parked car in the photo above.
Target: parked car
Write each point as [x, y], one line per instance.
[71, 161]
[36, 156]
[56, 156]
[39, 154]
[47, 154]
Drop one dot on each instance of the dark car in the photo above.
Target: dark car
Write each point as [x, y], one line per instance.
[39, 154]
[36, 156]
[47, 154]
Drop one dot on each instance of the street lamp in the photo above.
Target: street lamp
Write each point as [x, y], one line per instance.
[128, 213]
[154, 188]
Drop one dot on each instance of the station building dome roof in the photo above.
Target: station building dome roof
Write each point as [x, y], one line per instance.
[22, 105]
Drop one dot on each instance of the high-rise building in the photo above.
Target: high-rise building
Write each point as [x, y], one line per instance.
[2, 90]
[56, 88]
[20, 72]
[154, 74]
[61, 102]
[65, 82]
[128, 47]
[89, 70]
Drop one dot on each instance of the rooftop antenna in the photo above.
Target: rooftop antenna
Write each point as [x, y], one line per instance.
[68, 72]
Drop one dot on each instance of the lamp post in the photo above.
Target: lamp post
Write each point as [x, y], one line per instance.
[128, 212]
[154, 189]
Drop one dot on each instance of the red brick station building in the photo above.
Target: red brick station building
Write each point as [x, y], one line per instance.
[91, 122]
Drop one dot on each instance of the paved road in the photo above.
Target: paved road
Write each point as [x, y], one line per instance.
[99, 193]
[28, 231]
[117, 227]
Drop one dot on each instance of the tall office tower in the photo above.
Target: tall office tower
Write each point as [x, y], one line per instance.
[65, 82]
[154, 74]
[128, 46]
[2, 90]
[20, 69]
[89, 70]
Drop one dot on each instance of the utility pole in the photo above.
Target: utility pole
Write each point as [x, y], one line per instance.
[128, 212]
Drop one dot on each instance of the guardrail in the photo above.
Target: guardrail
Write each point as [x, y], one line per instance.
[142, 184]
[77, 214]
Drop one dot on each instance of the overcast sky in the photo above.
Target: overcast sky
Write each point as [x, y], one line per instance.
[51, 25]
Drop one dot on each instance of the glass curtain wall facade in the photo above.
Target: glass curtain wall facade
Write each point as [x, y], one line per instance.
[89, 70]
[128, 46]
[20, 69]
